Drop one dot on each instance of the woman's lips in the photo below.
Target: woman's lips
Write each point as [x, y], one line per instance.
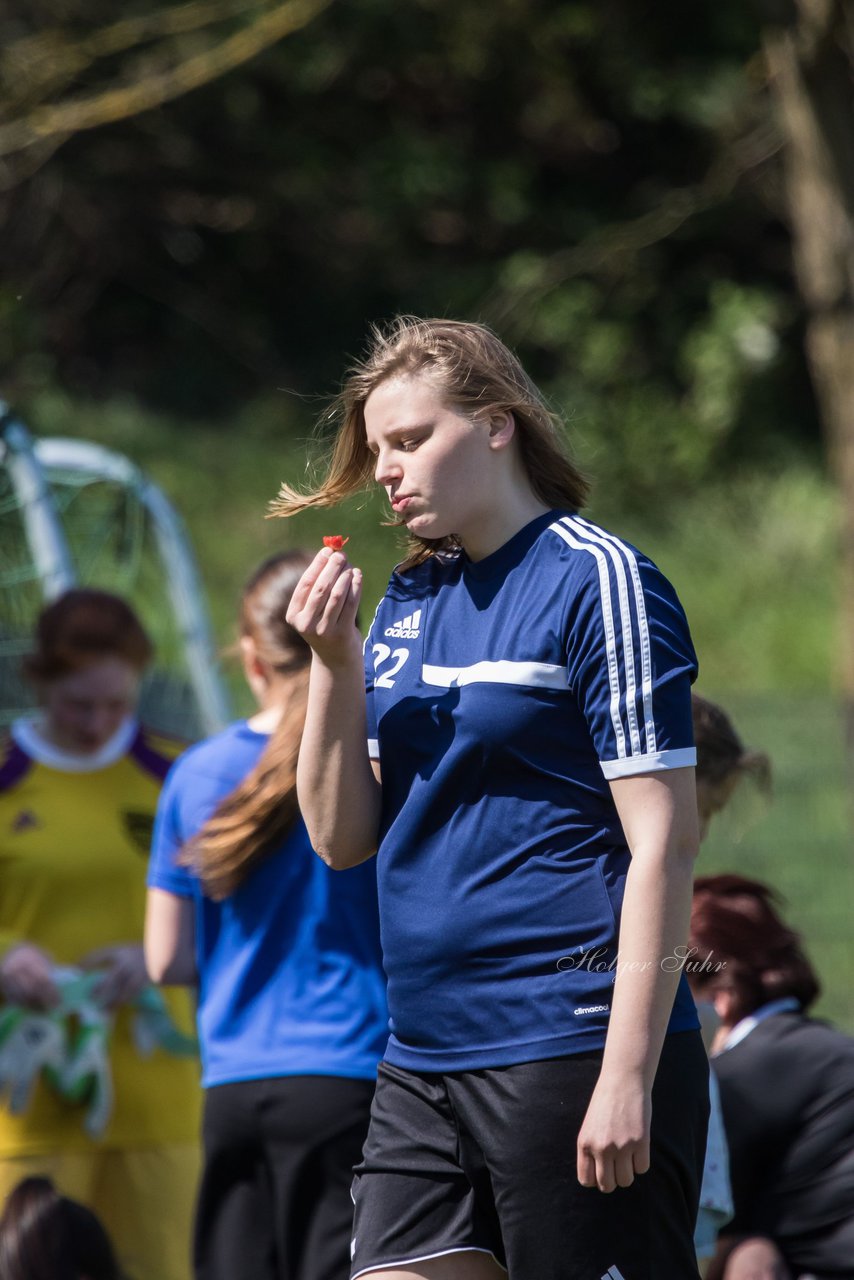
[400, 504]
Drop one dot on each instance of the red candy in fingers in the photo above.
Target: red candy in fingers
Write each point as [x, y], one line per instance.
[335, 541]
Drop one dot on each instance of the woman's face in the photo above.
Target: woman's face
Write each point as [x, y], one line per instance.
[431, 459]
[85, 708]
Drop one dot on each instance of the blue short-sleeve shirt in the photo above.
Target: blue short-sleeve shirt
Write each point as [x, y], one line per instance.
[289, 965]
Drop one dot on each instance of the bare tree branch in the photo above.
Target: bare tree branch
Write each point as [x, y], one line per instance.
[38, 65]
[611, 249]
[63, 119]
[27, 164]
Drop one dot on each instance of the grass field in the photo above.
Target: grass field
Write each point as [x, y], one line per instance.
[753, 561]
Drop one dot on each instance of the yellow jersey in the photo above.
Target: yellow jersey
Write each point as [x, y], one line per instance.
[74, 843]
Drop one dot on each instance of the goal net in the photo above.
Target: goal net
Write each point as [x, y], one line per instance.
[72, 513]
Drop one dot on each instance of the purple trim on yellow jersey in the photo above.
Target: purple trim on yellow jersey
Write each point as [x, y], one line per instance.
[148, 758]
[15, 766]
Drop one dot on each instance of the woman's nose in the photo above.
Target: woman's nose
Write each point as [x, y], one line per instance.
[386, 469]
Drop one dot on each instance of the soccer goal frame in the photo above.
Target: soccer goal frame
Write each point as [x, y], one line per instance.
[29, 462]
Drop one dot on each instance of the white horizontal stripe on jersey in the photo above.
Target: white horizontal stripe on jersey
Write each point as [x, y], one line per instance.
[527, 675]
[652, 762]
[608, 620]
[374, 748]
[643, 629]
[589, 532]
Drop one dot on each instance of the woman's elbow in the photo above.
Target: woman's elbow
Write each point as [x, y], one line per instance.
[340, 857]
[167, 968]
[157, 968]
[169, 940]
[341, 845]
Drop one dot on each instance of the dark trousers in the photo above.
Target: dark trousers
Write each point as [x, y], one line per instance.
[274, 1201]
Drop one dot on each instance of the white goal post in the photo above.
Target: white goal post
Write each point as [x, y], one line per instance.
[33, 467]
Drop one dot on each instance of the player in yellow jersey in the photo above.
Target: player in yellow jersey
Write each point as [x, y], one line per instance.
[78, 790]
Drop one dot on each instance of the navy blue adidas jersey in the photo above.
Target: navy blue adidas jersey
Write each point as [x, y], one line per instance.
[503, 695]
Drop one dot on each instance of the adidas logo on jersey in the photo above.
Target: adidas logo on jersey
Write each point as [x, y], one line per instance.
[407, 629]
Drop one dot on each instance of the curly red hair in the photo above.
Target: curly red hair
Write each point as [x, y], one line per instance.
[736, 920]
[84, 626]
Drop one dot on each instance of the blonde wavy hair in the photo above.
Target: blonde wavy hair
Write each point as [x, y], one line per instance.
[478, 376]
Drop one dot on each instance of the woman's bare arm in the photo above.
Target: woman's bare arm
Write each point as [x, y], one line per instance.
[170, 939]
[659, 816]
[339, 794]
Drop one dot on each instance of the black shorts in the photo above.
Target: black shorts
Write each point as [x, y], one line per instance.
[486, 1160]
[274, 1201]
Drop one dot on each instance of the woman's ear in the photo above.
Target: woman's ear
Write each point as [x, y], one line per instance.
[252, 665]
[724, 1002]
[502, 429]
[256, 672]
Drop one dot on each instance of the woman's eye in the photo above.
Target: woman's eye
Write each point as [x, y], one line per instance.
[408, 445]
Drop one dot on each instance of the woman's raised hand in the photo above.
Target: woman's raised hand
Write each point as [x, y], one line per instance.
[323, 607]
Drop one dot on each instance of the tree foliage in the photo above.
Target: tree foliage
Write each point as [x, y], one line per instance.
[810, 51]
[599, 181]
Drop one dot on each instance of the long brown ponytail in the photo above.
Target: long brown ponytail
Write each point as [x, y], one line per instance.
[261, 810]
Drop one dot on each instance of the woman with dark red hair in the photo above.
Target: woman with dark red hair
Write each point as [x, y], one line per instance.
[787, 1089]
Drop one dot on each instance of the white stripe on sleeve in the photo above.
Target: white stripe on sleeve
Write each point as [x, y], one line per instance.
[589, 532]
[608, 619]
[652, 762]
[643, 629]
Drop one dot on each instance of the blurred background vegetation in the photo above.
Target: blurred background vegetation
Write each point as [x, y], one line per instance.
[203, 206]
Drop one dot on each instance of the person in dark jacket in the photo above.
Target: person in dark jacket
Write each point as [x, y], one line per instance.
[787, 1089]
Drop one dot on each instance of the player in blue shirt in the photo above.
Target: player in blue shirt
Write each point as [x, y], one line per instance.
[285, 953]
[528, 784]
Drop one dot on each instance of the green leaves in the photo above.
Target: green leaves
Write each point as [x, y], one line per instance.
[579, 175]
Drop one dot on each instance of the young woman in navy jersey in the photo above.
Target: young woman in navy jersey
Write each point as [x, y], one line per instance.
[517, 749]
[292, 1015]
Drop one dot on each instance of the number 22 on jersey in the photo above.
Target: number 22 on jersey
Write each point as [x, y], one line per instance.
[382, 653]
